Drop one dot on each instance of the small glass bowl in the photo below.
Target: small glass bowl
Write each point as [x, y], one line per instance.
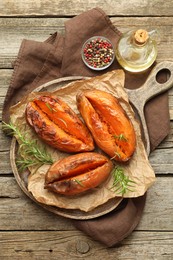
[98, 53]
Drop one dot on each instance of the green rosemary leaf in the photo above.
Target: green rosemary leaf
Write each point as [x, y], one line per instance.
[31, 154]
[50, 108]
[79, 182]
[11, 129]
[53, 109]
[131, 181]
[121, 182]
[120, 137]
[117, 154]
[130, 190]
[23, 164]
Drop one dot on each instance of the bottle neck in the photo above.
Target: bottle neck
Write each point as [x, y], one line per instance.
[140, 37]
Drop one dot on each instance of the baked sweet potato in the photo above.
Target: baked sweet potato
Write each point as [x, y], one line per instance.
[58, 125]
[78, 173]
[108, 122]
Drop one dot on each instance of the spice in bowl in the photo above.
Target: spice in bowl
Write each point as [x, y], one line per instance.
[98, 53]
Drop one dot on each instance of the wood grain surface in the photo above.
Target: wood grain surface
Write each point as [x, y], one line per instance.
[27, 231]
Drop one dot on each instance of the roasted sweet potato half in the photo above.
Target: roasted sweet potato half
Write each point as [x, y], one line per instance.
[109, 124]
[58, 125]
[78, 173]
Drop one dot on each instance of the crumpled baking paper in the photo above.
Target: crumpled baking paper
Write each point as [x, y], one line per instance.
[138, 168]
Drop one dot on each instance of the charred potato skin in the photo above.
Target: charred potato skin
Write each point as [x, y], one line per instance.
[78, 173]
[58, 125]
[108, 122]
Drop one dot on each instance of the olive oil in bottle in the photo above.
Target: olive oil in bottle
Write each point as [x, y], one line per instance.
[136, 50]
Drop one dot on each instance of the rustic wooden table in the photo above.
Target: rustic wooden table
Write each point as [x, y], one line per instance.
[26, 230]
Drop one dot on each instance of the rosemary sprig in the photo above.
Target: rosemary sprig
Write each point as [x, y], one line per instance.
[22, 163]
[31, 154]
[50, 107]
[116, 154]
[121, 183]
[79, 182]
[120, 137]
[54, 110]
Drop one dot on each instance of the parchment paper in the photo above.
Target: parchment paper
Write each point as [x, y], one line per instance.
[138, 168]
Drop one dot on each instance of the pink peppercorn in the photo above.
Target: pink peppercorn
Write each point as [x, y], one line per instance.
[98, 53]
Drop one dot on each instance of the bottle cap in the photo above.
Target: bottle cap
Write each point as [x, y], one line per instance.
[141, 36]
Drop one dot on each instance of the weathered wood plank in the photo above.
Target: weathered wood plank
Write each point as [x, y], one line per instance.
[15, 205]
[71, 8]
[23, 28]
[13, 30]
[168, 141]
[5, 163]
[6, 74]
[27, 230]
[5, 77]
[75, 245]
[161, 159]
[4, 140]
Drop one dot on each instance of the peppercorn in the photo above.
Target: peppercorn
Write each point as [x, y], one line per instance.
[98, 53]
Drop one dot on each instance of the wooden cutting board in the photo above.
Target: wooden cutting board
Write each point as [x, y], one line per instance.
[138, 99]
[151, 88]
[21, 178]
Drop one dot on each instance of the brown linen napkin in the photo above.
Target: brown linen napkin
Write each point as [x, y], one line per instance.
[95, 22]
[112, 228]
[58, 56]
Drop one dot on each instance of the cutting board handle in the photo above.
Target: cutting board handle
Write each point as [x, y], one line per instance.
[152, 87]
[148, 90]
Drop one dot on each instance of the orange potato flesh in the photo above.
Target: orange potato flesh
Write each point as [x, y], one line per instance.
[64, 117]
[107, 122]
[43, 121]
[86, 178]
[74, 165]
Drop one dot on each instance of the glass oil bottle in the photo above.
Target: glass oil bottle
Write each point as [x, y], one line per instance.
[136, 50]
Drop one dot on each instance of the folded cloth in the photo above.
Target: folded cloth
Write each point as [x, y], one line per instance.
[59, 56]
[112, 228]
[95, 22]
